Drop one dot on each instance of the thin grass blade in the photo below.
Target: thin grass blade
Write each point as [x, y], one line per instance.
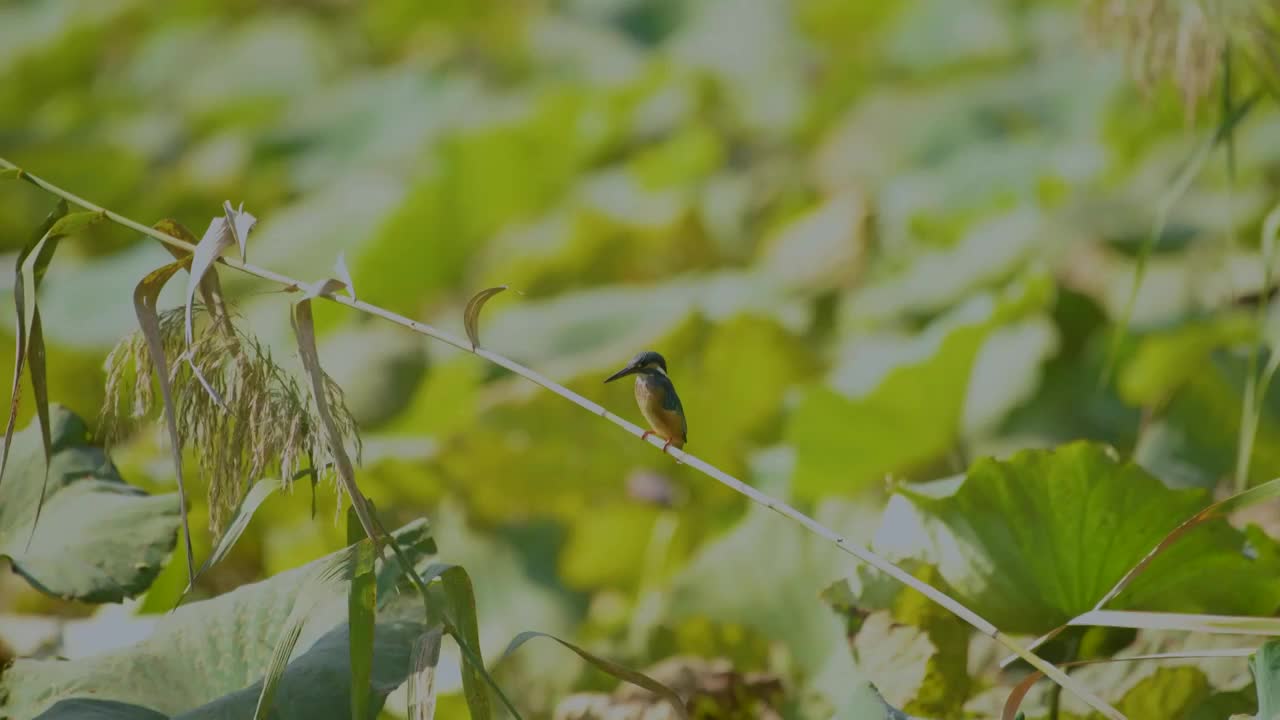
[422, 683]
[1184, 622]
[458, 606]
[622, 673]
[1019, 693]
[260, 491]
[1164, 206]
[20, 347]
[35, 267]
[362, 603]
[317, 587]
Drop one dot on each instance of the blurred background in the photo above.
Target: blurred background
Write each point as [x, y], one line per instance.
[874, 240]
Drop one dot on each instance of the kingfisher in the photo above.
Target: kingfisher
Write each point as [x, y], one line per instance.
[657, 398]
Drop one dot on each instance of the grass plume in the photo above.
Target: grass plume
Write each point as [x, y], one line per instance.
[268, 427]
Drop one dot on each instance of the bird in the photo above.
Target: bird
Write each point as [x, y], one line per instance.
[657, 398]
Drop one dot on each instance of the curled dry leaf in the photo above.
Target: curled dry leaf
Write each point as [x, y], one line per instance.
[471, 315]
[240, 223]
[232, 227]
[304, 331]
[343, 274]
[145, 296]
[210, 287]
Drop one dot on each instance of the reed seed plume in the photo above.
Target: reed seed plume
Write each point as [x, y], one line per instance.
[269, 423]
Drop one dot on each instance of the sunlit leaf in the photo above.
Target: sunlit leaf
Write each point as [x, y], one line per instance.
[75, 222]
[207, 659]
[1013, 540]
[239, 522]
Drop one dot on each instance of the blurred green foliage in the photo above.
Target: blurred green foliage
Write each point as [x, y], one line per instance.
[874, 241]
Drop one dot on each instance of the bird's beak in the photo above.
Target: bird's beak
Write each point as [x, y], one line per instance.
[622, 373]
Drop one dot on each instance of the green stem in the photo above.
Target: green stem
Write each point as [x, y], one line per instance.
[1072, 642]
[864, 554]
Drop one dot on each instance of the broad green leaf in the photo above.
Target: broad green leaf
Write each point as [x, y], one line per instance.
[845, 440]
[313, 590]
[101, 539]
[206, 659]
[1040, 538]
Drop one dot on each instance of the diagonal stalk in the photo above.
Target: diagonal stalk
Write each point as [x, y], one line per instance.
[864, 554]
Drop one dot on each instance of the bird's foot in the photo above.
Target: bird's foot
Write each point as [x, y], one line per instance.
[646, 435]
[666, 445]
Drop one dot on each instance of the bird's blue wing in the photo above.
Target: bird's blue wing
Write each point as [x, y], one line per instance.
[671, 401]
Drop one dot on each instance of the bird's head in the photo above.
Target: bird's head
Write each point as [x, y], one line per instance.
[646, 362]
